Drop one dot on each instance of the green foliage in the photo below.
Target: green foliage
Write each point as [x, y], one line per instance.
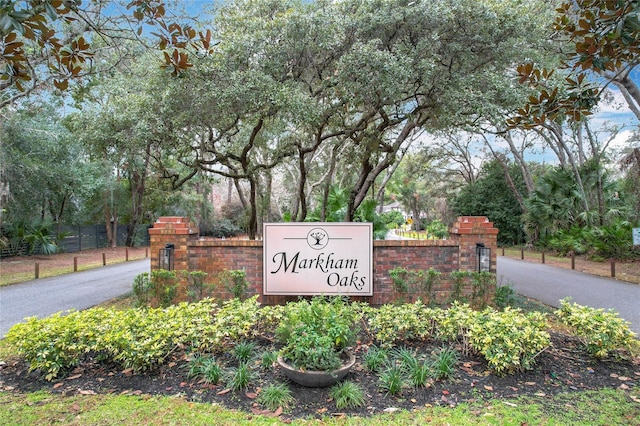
[459, 279]
[240, 377]
[504, 296]
[137, 338]
[196, 286]
[393, 379]
[613, 241]
[142, 289]
[224, 228]
[509, 340]
[275, 396]
[408, 282]
[393, 218]
[164, 287]
[347, 394]
[234, 281]
[490, 196]
[243, 351]
[375, 358]
[316, 332]
[437, 229]
[206, 368]
[336, 210]
[268, 360]
[444, 363]
[392, 323]
[601, 332]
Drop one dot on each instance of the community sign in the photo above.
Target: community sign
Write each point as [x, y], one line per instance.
[318, 258]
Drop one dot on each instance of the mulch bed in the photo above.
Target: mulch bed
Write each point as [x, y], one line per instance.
[564, 367]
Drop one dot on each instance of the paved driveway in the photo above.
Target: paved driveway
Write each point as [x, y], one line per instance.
[79, 290]
[549, 285]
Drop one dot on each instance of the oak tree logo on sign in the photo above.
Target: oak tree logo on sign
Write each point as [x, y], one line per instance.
[318, 258]
[317, 238]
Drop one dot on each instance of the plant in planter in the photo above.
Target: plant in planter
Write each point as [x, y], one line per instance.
[316, 335]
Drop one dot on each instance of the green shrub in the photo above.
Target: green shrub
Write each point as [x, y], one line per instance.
[142, 289]
[393, 379]
[504, 296]
[234, 281]
[600, 331]
[164, 287]
[392, 323]
[196, 286]
[509, 340]
[315, 333]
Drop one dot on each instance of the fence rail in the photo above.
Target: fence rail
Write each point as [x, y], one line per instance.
[84, 237]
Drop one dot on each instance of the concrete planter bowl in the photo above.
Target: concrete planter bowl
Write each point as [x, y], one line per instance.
[317, 379]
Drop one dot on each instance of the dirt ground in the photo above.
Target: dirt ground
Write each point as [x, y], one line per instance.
[22, 268]
[562, 368]
[624, 271]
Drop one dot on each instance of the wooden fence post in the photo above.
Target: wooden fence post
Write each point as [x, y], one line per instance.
[573, 261]
[613, 268]
[37, 271]
[104, 259]
[75, 264]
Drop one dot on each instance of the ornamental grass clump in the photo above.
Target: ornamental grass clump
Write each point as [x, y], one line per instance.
[316, 333]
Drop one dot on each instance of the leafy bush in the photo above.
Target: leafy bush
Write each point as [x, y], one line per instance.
[234, 281]
[142, 289]
[164, 287]
[600, 331]
[316, 332]
[221, 229]
[504, 296]
[196, 286]
[613, 241]
[509, 340]
[392, 323]
[393, 218]
[137, 338]
[444, 362]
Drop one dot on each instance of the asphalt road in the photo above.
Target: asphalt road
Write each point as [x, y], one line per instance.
[549, 285]
[80, 290]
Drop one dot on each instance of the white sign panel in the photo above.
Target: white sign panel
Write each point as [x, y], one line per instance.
[636, 236]
[318, 258]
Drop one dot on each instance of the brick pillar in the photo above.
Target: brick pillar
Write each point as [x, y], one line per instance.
[172, 230]
[470, 230]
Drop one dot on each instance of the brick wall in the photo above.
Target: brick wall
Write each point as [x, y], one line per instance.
[213, 256]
